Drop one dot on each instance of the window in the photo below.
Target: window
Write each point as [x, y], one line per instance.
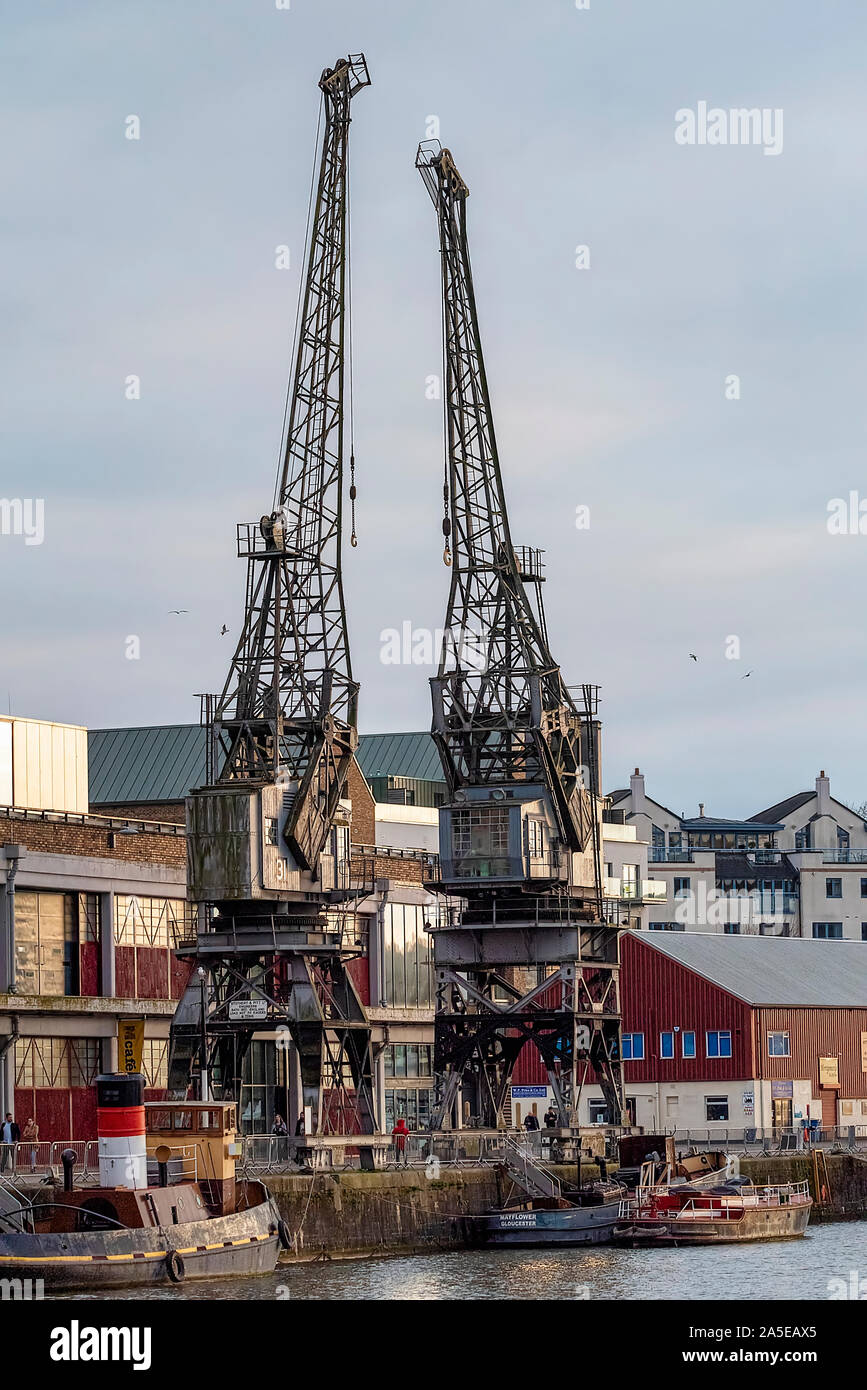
[864, 931]
[716, 1108]
[666, 1044]
[675, 839]
[681, 887]
[409, 1103]
[408, 1059]
[778, 1045]
[155, 1062]
[828, 931]
[56, 1063]
[864, 888]
[719, 1044]
[732, 928]
[535, 838]
[671, 1104]
[688, 1044]
[47, 934]
[666, 926]
[833, 887]
[842, 838]
[629, 881]
[802, 838]
[150, 921]
[408, 969]
[480, 831]
[598, 1112]
[633, 1047]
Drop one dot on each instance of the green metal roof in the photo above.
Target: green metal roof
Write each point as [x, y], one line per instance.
[159, 763]
[399, 755]
[162, 762]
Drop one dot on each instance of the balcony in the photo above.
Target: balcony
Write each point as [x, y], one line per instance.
[844, 856]
[658, 854]
[653, 890]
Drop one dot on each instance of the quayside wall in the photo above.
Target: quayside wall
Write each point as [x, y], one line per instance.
[352, 1214]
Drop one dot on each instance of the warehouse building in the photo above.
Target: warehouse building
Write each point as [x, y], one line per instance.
[742, 1033]
[90, 908]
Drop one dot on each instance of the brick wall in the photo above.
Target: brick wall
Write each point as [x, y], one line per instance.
[172, 811]
[51, 837]
[363, 807]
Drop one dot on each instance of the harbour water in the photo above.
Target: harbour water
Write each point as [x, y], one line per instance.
[793, 1269]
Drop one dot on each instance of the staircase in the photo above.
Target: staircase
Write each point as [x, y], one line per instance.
[527, 1171]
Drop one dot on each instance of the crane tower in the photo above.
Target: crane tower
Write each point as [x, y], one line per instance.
[268, 836]
[525, 955]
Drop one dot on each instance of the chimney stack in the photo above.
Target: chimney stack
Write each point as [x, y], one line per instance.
[823, 794]
[701, 808]
[636, 787]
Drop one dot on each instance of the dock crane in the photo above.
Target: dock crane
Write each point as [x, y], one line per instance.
[268, 836]
[523, 953]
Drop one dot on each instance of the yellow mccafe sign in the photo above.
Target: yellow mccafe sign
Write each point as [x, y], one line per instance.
[130, 1044]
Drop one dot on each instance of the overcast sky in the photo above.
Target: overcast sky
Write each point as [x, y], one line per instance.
[708, 515]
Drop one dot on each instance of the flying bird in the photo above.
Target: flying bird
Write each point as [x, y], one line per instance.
[693, 656]
[749, 673]
[223, 630]
[179, 610]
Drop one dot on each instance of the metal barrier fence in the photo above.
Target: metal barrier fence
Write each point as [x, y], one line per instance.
[774, 1140]
[458, 1148]
[28, 1157]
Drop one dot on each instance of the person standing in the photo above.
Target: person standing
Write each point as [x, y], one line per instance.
[9, 1137]
[399, 1136]
[31, 1137]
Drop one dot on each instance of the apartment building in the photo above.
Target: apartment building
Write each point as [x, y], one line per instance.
[797, 868]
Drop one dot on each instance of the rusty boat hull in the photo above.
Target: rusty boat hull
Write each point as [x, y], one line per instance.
[753, 1223]
[243, 1242]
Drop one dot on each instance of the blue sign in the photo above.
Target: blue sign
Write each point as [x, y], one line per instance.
[529, 1092]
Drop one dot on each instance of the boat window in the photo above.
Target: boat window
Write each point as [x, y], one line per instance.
[210, 1120]
[159, 1119]
[183, 1119]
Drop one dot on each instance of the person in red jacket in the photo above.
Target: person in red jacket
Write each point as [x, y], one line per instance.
[399, 1136]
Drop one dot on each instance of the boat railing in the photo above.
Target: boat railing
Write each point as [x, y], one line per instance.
[723, 1206]
[181, 1167]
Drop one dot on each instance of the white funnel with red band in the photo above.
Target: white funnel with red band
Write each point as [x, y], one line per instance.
[120, 1125]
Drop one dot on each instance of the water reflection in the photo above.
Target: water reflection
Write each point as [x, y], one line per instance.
[768, 1270]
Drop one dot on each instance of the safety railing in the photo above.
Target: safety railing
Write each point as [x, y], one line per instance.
[779, 1139]
[26, 1156]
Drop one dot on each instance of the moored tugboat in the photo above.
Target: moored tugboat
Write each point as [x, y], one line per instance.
[196, 1221]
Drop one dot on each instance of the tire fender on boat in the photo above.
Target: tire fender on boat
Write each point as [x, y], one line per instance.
[175, 1267]
[283, 1233]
